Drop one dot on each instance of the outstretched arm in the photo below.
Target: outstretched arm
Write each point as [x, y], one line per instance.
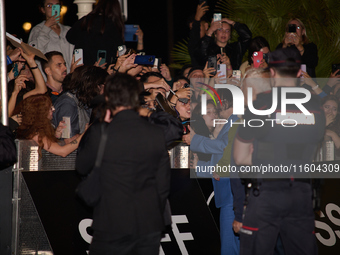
[40, 86]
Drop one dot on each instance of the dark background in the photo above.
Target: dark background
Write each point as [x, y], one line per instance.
[164, 22]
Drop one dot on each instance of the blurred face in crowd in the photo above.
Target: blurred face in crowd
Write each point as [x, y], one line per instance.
[331, 107]
[50, 113]
[57, 68]
[150, 103]
[26, 71]
[183, 109]
[47, 8]
[210, 116]
[198, 76]
[186, 72]
[223, 33]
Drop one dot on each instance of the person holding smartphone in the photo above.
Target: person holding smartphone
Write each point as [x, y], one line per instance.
[50, 35]
[217, 39]
[99, 33]
[296, 36]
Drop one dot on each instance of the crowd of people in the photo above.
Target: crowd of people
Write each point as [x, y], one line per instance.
[62, 105]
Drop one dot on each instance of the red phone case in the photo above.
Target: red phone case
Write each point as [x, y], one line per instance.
[257, 58]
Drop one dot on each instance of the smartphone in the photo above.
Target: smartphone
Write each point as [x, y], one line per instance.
[56, 10]
[129, 33]
[212, 62]
[291, 28]
[237, 74]
[335, 67]
[66, 131]
[303, 68]
[145, 60]
[222, 49]
[217, 16]
[101, 54]
[159, 63]
[121, 50]
[15, 70]
[257, 58]
[222, 68]
[78, 53]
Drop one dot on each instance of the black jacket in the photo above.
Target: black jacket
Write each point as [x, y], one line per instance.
[234, 51]
[135, 175]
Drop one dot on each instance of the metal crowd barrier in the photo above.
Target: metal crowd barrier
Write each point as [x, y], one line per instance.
[28, 234]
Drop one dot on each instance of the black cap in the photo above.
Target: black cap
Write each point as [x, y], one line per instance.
[289, 56]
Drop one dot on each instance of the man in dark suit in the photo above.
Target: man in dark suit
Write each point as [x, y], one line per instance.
[134, 175]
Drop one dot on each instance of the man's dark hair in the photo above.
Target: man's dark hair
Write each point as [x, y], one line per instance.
[85, 82]
[287, 71]
[122, 90]
[285, 61]
[49, 55]
[146, 76]
[256, 44]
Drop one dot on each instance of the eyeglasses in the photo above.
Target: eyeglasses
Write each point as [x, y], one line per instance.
[50, 5]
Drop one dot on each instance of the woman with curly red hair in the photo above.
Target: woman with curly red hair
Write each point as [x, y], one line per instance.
[36, 125]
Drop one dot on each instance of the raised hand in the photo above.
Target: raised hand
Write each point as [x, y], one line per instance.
[201, 10]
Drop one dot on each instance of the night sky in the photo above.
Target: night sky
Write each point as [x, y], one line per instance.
[154, 17]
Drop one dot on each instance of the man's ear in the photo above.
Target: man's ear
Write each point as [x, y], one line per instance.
[272, 72]
[48, 71]
[42, 10]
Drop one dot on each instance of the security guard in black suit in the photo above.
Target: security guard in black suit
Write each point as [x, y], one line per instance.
[280, 202]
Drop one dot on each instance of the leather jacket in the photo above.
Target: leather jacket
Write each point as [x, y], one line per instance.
[234, 51]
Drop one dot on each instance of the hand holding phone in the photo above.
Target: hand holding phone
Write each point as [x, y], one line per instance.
[212, 63]
[335, 67]
[101, 55]
[145, 60]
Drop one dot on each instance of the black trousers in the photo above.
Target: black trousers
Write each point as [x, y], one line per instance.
[126, 245]
[284, 208]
